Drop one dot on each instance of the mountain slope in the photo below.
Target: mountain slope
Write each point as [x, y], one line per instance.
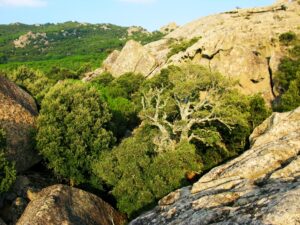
[65, 44]
[242, 44]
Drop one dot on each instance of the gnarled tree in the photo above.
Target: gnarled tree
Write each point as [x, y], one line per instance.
[198, 99]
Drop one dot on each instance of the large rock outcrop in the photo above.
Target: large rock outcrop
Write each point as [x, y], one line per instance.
[18, 113]
[242, 44]
[262, 186]
[63, 205]
[25, 189]
[133, 58]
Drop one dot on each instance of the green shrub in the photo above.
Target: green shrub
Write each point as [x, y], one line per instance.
[103, 79]
[287, 80]
[7, 170]
[287, 38]
[138, 176]
[72, 129]
[34, 81]
[181, 46]
[291, 98]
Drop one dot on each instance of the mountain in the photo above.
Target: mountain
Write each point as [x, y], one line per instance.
[259, 187]
[69, 44]
[243, 44]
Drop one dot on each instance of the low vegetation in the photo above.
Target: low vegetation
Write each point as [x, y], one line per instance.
[70, 45]
[7, 169]
[181, 46]
[287, 79]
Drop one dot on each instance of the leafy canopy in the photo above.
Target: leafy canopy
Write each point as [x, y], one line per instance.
[72, 129]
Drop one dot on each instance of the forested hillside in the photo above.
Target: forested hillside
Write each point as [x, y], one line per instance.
[99, 111]
[70, 45]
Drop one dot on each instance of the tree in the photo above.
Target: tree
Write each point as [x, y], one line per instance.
[126, 85]
[200, 100]
[138, 176]
[118, 93]
[7, 169]
[72, 130]
[192, 120]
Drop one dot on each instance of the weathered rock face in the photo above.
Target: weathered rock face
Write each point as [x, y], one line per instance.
[168, 28]
[17, 117]
[262, 186]
[242, 44]
[26, 39]
[133, 58]
[59, 205]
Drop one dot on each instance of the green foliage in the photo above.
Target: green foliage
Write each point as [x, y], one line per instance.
[126, 85]
[167, 171]
[291, 98]
[288, 37]
[68, 45]
[103, 79]
[287, 80]
[181, 46]
[72, 129]
[138, 176]
[258, 110]
[118, 94]
[2, 139]
[35, 82]
[7, 169]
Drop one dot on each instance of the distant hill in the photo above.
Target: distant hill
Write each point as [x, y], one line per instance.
[69, 45]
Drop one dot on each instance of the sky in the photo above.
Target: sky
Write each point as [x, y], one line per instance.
[151, 14]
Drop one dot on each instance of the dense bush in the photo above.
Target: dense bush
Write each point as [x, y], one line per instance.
[72, 130]
[7, 169]
[118, 93]
[33, 81]
[287, 37]
[192, 120]
[138, 176]
[287, 79]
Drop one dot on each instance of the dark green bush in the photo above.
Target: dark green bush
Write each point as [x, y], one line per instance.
[287, 80]
[288, 37]
[73, 130]
[138, 176]
[7, 170]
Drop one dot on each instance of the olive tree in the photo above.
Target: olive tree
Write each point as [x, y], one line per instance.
[199, 99]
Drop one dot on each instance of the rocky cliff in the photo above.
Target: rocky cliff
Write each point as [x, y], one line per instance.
[17, 117]
[242, 44]
[63, 205]
[261, 186]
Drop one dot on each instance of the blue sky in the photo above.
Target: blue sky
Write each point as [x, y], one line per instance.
[150, 14]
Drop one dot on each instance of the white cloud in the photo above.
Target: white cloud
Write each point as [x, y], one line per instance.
[23, 3]
[138, 1]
